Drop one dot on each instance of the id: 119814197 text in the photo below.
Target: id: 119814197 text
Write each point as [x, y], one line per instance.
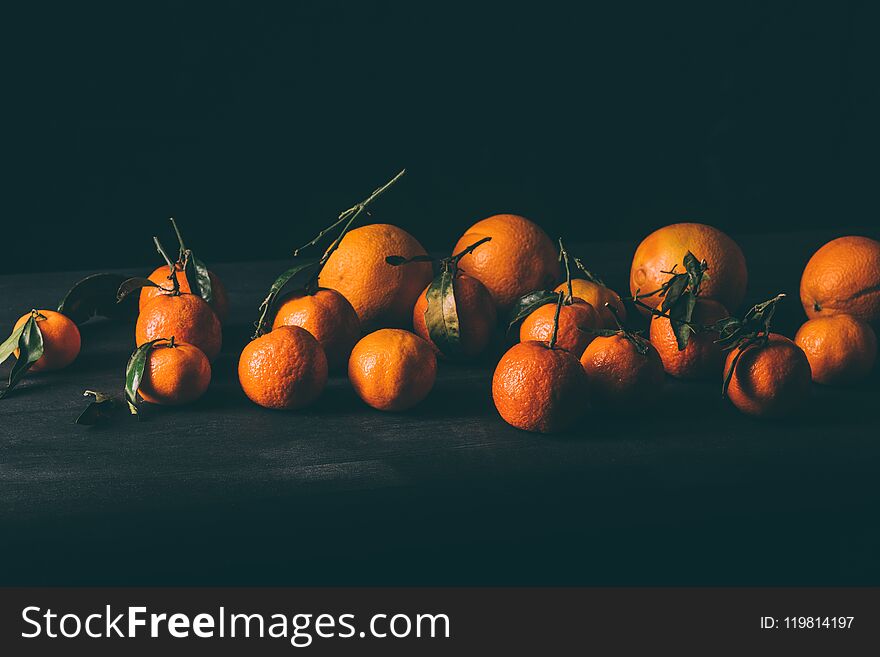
[807, 623]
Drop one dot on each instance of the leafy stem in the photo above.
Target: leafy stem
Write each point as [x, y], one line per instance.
[345, 219]
[181, 258]
[639, 342]
[563, 257]
[740, 334]
[454, 260]
[679, 295]
[172, 276]
[587, 273]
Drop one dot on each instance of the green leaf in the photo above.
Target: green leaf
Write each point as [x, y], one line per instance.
[275, 289]
[95, 295]
[675, 288]
[527, 304]
[134, 373]
[101, 407]
[9, 345]
[198, 277]
[441, 315]
[396, 260]
[30, 350]
[134, 284]
[696, 272]
[680, 316]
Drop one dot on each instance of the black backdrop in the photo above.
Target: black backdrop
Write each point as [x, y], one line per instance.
[255, 123]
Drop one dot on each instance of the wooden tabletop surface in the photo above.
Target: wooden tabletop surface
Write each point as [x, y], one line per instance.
[224, 492]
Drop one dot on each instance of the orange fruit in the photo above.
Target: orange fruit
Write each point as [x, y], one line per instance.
[520, 258]
[536, 388]
[843, 277]
[771, 380]
[597, 295]
[61, 340]
[328, 316]
[577, 321]
[219, 303]
[283, 369]
[841, 348]
[382, 294]
[476, 312]
[618, 374]
[703, 357]
[666, 247]
[175, 375]
[392, 369]
[186, 316]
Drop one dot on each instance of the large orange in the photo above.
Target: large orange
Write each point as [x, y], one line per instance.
[283, 369]
[175, 374]
[597, 295]
[382, 294]
[536, 388]
[61, 340]
[577, 323]
[520, 258]
[220, 301]
[843, 277]
[841, 348]
[477, 317]
[392, 369]
[619, 375]
[666, 247]
[772, 380]
[702, 358]
[185, 316]
[328, 316]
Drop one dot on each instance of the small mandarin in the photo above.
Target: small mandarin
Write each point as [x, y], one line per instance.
[283, 369]
[664, 249]
[703, 357]
[219, 304]
[392, 369]
[328, 316]
[770, 380]
[843, 277]
[519, 258]
[597, 295]
[175, 374]
[841, 349]
[186, 316]
[381, 294]
[61, 340]
[577, 323]
[619, 374]
[536, 388]
[476, 312]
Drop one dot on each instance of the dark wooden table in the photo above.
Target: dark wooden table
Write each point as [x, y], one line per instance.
[225, 492]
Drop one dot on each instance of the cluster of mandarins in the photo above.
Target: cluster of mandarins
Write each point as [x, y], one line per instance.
[374, 306]
[574, 348]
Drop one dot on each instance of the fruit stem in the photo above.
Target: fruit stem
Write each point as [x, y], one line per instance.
[173, 275]
[614, 314]
[660, 313]
[350, 214]
[171, 342]
[553, 335]
[347, 217]
[590, 276]
[458, 256]
[563, 257]
[183, 249]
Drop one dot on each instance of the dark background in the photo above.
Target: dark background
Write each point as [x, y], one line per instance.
[256, 123]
